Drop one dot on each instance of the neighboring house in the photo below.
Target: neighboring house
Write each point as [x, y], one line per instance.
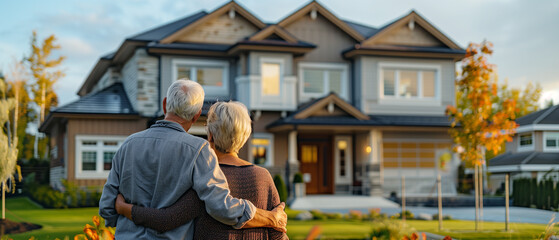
[534, 151]
[351, 106]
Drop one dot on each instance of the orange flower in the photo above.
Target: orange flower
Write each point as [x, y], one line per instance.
[96, 221]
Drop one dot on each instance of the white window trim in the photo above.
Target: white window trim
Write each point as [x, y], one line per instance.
[99, 173]
[526, 147]
[323, 66]
[347, 179]
[545, 147]
[209, 90]
[419, 100]
[281, 63]
[270, 137]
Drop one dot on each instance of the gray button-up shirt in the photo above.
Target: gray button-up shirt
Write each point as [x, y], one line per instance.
[153, 168]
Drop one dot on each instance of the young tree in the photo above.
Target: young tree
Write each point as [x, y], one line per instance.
[45, 71]
[485, 119]
[23, 113]
[527, 100]
[8, 148]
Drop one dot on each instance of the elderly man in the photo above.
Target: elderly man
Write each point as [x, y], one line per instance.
[155, 167]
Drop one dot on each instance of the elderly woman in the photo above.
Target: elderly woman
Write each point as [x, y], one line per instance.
[228, 128]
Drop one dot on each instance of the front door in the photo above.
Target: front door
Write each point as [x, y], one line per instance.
[316, 166]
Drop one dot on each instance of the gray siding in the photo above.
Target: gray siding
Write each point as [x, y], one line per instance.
[129, 80]
[370, 88]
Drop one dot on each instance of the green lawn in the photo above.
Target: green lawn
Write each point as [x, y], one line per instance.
[58, 223]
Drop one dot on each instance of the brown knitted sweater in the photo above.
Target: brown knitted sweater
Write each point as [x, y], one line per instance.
[247, 182]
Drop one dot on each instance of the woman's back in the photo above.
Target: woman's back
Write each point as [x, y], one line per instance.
[249, 182]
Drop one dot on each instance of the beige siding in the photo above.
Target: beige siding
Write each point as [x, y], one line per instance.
[329, 39]
[220, 30]
[405, 36]
[84, 126]
[371, 102]
[538, 141]
[265, 119]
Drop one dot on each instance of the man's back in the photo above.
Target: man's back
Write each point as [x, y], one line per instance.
[154, 168]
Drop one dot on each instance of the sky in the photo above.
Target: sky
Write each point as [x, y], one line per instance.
[524, 33]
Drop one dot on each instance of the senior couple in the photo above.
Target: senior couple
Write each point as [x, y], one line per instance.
[167, 184]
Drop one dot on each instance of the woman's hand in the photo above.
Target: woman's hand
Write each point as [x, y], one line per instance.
[280, 218]
[122, 207]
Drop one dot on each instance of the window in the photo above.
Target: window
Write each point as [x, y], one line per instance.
[212, 75]
[319, 79]
[94, 155]
[343, 159]
[271, 75]
[551, 141]
[409, 81]
[525, 142]
[262, 152]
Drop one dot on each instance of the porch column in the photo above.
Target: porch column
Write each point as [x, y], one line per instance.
[292, 148]
[374, 164]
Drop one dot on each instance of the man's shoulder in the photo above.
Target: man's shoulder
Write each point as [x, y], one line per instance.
[177, 137]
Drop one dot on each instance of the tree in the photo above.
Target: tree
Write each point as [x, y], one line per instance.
[23, 113]
[45, 72]
[8, 147]
[527, 100]
[485, 118]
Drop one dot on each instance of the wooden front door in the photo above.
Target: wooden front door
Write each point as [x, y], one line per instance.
[316, 162]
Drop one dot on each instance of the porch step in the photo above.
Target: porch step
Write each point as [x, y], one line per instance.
[321, 202]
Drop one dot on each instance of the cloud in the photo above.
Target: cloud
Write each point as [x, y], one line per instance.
[76, 46]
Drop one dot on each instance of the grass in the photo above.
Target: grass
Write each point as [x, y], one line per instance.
[58, 223]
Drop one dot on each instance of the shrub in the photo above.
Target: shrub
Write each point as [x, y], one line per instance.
[280, 186]
[407, 213]
[335, 216]
[355, 215]
[318, 215]
[445, 217]
[298, 178]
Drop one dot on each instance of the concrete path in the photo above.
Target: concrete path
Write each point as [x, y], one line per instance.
[342, 204]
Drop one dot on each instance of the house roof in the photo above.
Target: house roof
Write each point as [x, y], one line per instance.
[165, 30]
[549, 115]
[366, 31]
[524, 161]
[111, 100]
[353, 117]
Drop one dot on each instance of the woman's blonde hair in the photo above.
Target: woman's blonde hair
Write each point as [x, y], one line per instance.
[230, 126]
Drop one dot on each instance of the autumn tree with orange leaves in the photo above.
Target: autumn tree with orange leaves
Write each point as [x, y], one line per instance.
[482, 119]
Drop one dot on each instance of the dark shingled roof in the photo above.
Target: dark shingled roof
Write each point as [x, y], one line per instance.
[165, 30]
[549, 115]
[412, 49]
[525, 158]
[374, 120]
[191, 46]
[111, 100]
[364, 30]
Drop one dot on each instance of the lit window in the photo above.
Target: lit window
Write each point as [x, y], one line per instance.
[212, 75]
[320, 79]
[271, 79]
[409, 83]
[262, 152]
[343, 164]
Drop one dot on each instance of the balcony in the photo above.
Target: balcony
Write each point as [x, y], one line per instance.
[250, 93]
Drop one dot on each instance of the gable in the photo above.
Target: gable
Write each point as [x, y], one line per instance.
[275, 33]
[411, 30]
[331, 105]
[406, 36]
[312, 11]
[222, 30]
[329, 39]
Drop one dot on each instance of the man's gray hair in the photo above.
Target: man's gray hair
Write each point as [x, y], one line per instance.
[230, 126]
[185, 98]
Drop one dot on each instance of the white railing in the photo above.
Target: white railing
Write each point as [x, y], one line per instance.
[249, 92]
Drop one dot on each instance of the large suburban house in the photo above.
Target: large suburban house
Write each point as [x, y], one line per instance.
[352, 107]
[534, 151]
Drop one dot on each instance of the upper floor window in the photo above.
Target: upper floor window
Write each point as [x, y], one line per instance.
[94, 155]
[551, 141]
[212, 75]
[319, 79]
[525, 142]
[271, 75]
[409, 81]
